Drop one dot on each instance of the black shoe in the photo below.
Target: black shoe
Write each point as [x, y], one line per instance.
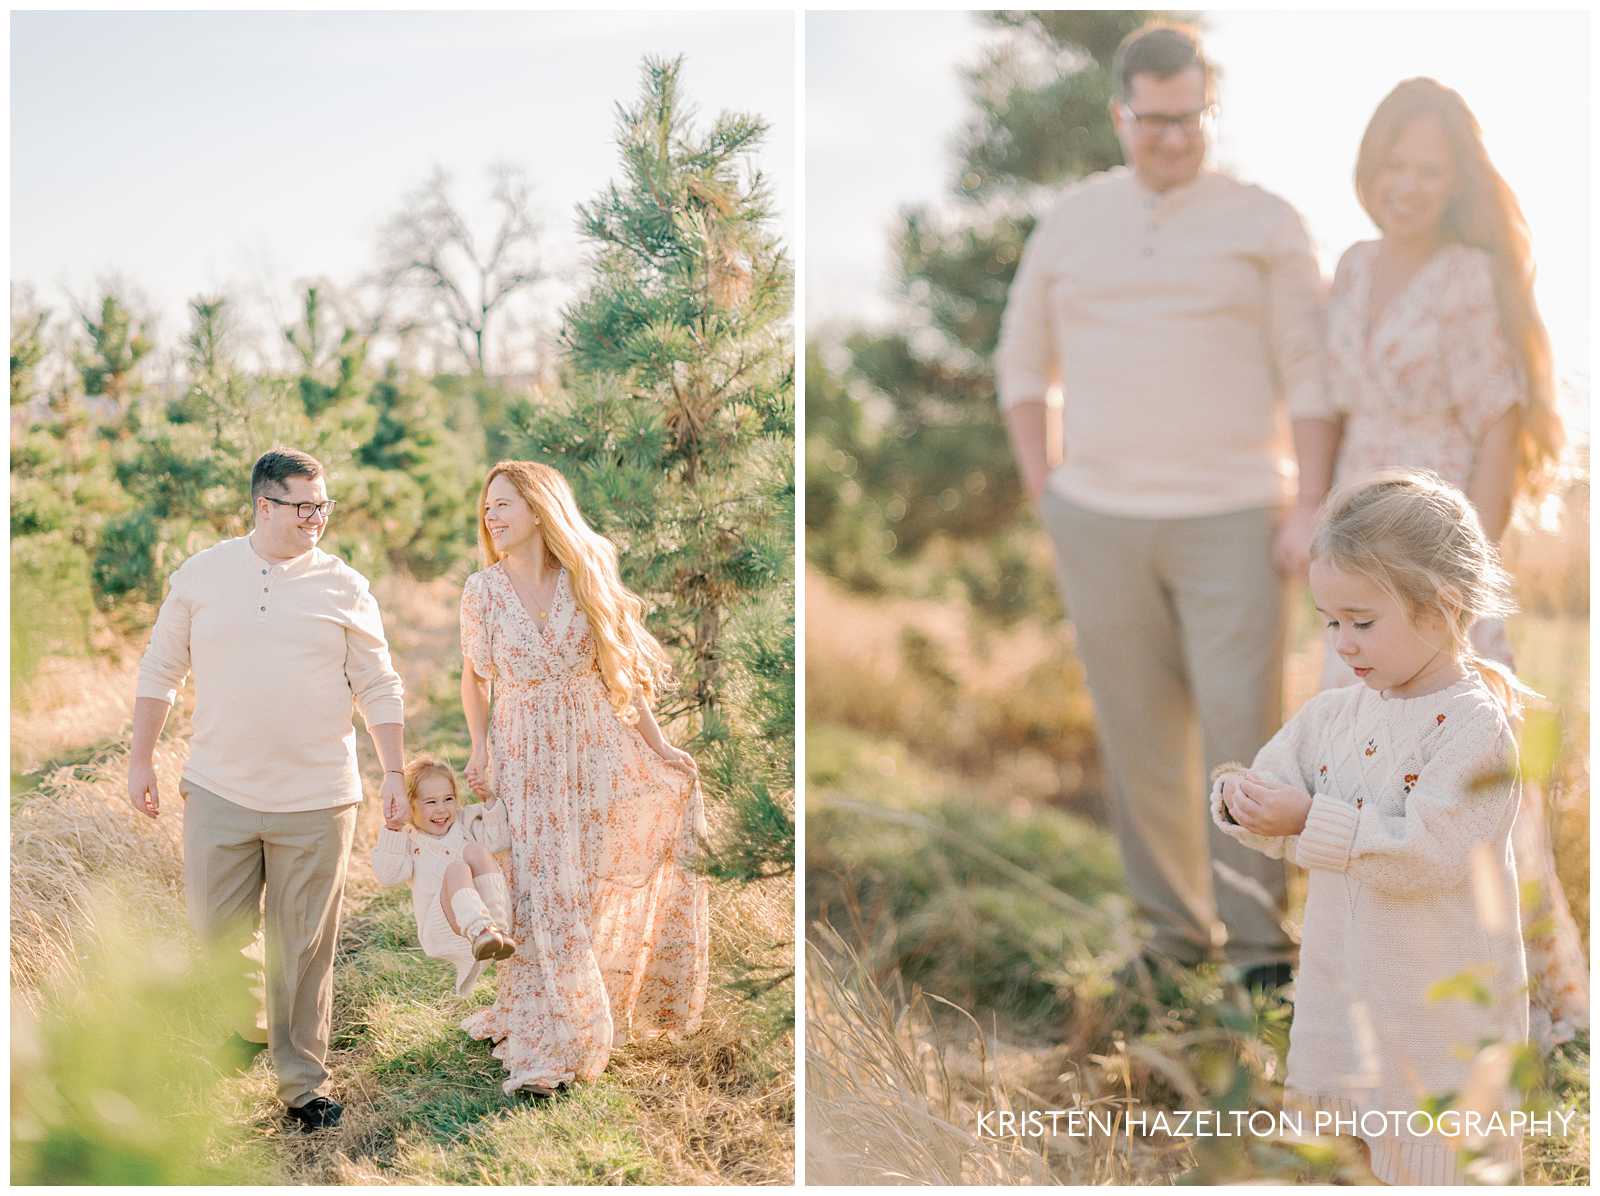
[237, 1054]
[1269, 978]
[318, 1113]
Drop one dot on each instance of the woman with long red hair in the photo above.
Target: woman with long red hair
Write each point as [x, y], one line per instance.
[557, 681]
[1438, 360]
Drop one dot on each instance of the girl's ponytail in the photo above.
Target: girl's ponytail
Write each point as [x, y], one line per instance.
[1503, 684]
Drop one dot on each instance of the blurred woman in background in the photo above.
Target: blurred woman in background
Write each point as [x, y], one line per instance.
[1438, 360]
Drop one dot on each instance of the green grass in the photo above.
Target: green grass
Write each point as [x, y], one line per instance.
[425, 1104]
[964, 895]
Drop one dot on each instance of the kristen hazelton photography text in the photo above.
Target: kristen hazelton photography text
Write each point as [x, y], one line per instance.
[513, 481]
[1197, 600]
[1263, 1123]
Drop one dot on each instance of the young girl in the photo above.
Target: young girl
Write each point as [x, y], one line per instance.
[1438, 359]
[1398, 796]
[458, 893]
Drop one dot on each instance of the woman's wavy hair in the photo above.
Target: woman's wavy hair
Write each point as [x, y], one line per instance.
[632, 662]
[1419, 539]
[1483, 213]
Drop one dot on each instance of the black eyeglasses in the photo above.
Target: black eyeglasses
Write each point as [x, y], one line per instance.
[1155, 123]
[303, 510]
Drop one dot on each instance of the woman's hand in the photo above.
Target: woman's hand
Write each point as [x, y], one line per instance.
[679, 759]
[478, 772]
[1266, 807]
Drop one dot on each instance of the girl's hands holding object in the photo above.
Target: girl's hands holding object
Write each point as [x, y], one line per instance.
[1265, 807]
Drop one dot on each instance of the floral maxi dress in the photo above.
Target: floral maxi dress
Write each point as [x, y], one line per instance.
[610, 918]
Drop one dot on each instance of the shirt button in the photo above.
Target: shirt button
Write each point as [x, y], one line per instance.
[263, 573]
[263, 610]
[1149, 251]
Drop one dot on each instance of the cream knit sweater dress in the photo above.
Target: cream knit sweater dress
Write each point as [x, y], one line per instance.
[1411, 882]
[420, 859]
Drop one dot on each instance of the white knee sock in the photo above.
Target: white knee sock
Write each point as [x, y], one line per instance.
[471, 913]
[495, 895]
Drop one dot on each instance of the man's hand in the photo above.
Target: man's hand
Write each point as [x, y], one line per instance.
[1291, 546]
[1266, 807]
[393, 796]
[143, 793]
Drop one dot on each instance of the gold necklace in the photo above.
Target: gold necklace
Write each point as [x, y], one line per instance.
[542, 613]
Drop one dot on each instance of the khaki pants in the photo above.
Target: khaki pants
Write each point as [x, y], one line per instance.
[1181, 626]
[230, 856]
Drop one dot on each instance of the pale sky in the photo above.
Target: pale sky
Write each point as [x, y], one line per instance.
[192, 151]
[884, 103]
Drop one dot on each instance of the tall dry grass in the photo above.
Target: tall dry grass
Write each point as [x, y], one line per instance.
[908, 805]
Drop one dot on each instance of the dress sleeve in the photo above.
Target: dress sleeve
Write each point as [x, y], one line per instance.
[475, 628]
[1026, 364]
[1340, 318]
[1480, 368]
[391, 857]
[1463, 802]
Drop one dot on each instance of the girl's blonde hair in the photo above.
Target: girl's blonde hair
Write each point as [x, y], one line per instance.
[421, 765]
[1419, 539]
[632, 662]
[1483, 213]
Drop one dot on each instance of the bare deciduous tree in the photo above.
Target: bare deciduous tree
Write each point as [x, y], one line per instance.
[428, 246]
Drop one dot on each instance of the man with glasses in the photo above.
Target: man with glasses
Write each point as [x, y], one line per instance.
[1176, 311]
[282, 639]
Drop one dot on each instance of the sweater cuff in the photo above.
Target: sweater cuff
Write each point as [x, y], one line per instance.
[392, 843]
[1329, 834]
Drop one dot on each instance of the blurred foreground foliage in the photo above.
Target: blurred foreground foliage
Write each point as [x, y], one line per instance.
[112, 1069]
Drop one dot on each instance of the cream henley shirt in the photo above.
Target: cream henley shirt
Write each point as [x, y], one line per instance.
[279, 652]
[1178, 326]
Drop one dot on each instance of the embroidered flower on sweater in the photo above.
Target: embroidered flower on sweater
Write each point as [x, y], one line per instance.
[1372, 747]
[1438, 720]
[1410, 780]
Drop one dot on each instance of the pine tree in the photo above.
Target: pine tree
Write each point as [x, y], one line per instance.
[675, 427]
[677, 430]
[937, 463]
[118, 342]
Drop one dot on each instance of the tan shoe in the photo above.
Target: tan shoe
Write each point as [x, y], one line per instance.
[493, 943]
